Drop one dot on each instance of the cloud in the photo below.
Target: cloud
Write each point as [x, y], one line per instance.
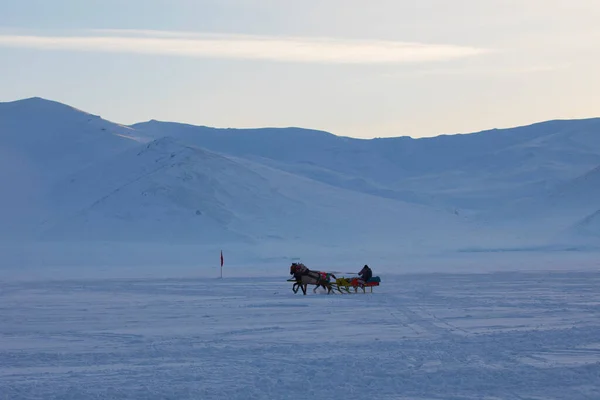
[270, 48]
[531, 69]
[482, 70]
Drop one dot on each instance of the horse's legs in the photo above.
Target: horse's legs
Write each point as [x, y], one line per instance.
[304, 288]
[297, 285]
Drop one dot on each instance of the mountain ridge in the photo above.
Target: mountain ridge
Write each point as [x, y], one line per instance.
[94, 179]
[397, 166]
[535, 124]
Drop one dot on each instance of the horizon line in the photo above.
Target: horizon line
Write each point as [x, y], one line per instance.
[538, 122]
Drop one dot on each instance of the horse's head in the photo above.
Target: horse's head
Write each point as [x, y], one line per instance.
[293, 268]
[296, 268]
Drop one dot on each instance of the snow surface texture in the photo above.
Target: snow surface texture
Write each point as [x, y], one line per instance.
[506, 335]
[76, 183]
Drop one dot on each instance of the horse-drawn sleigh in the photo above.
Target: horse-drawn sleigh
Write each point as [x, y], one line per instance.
[302, 277]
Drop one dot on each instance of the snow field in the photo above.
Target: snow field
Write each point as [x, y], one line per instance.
[504, 335]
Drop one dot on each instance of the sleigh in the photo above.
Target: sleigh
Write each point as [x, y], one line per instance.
[344, 285]
[304, 277]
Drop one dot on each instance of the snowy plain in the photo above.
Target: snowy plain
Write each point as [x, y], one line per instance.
[185, 334]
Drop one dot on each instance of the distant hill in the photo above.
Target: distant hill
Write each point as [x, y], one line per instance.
[166, 191]
[103, 181]
[590, 225]
[55, 139]
[42, 142]
[470, 171]
[74, 177]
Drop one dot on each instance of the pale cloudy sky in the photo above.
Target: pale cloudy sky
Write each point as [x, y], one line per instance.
[362, 68]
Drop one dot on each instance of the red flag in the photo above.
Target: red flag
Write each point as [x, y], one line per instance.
[221, 258]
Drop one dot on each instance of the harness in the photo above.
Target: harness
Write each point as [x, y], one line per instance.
[300, 270]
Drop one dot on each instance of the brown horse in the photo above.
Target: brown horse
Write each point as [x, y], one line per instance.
[305, 277]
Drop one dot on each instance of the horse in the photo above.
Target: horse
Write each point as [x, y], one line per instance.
[305, 277]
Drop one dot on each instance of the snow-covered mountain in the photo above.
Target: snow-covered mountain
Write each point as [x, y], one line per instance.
[53, 138]
[470, 171]
[42, 142]
[589, 226]
[557, 210]
[581, 194]
[170, 192]
[70, 176]
[339, 161]
[573, 206]
[103, 181]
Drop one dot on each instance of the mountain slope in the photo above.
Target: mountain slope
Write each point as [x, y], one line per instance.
[318, 155]
[579, 196]
[561, 214]
[577, 203]
[55, 139]
[72, 176]
[180, 193]
[41, 142]
[589, 226]
[477, 171]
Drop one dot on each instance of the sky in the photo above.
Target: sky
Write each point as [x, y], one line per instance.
[358, 68]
